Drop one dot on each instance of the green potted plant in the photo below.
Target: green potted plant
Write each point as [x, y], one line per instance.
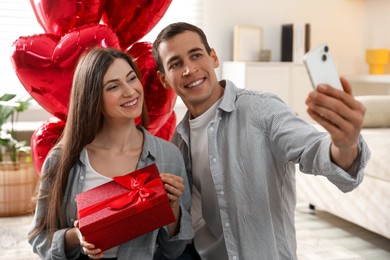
[10, 107]
[17, 176]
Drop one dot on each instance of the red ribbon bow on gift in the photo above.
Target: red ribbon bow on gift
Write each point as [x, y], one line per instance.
[137, 188]
[139, 191]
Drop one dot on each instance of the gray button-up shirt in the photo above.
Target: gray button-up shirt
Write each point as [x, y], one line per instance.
[168, 159]
[255, 140]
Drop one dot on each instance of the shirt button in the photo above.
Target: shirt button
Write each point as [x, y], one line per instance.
[82, 178]
[221, 192]
[214, 160]
[211, 129]
[235, 257]
[227, 225]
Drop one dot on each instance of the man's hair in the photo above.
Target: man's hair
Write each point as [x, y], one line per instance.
[169, 32]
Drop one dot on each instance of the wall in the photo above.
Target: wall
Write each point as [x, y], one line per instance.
[340, 23]
[377, 19]
[349, 26]
[376, 31]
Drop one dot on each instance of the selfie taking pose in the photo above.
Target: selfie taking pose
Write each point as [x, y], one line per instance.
[101, 140]
[241, 148]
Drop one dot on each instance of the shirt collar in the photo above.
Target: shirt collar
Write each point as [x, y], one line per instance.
[227, 104]
[228, 100]
[149, 148]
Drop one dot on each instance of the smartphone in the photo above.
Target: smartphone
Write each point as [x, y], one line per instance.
[321, 67]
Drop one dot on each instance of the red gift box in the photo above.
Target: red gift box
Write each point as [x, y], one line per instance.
[122, 209]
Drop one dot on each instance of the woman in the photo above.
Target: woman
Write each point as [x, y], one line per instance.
[101, 140]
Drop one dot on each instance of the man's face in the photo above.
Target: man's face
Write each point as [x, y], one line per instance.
[189, 70]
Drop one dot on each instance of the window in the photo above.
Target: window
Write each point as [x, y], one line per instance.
[18, 19]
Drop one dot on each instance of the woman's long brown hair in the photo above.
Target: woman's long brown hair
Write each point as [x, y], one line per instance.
[83, 122]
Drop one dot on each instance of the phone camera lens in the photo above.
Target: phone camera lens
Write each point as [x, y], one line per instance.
[323, 57]
[326, 48]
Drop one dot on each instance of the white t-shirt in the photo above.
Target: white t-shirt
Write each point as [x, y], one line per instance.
[92, 180]
[209, 240]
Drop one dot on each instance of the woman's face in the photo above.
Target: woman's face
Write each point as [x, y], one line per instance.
[122, 92]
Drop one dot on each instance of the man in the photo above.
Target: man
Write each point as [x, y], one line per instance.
[241, 147]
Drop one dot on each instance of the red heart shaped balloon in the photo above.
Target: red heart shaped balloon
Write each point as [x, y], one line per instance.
[159, 101]
[43, 139]
[44, 63]
[60, 16]
[132, 20]
[167, 130]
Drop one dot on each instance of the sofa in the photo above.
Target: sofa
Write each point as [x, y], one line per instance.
[369, 204]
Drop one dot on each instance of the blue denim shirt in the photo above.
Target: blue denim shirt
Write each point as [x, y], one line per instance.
[255, 141]
[155, 150]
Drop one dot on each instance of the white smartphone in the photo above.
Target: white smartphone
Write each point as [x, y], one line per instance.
[321, 67]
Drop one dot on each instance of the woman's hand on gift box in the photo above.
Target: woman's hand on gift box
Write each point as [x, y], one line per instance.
[174, 185]
[88, 248]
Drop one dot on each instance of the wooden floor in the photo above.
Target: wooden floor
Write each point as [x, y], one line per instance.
[319, 224]
[366, 244]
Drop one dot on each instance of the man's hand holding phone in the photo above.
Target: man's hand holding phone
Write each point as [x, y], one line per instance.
[337, 111]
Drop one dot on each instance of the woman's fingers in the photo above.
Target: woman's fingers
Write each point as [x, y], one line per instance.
[173, 184]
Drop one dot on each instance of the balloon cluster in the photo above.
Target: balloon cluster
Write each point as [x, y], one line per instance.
[44, 63]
